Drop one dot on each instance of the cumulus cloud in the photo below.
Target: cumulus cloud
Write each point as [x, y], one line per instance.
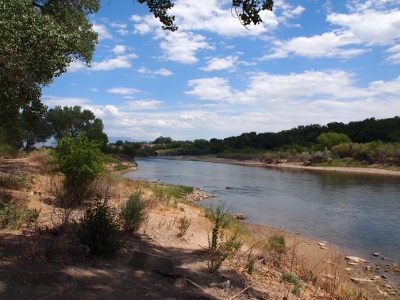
[395, 57]
[215, 88]
[325, 45]
[216, 63]
[102, 31]
[182, 46]
[163, 72]
[119, 49]
[375, 27]
[118, 25]
[122, 61]
[361, 29]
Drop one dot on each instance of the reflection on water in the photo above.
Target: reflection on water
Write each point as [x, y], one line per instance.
[358, 212]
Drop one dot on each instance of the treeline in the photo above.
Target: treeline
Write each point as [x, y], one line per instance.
[368, 141]
[300, 138]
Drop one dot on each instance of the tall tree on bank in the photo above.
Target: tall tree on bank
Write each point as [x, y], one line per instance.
[38, 41]
[72, 121]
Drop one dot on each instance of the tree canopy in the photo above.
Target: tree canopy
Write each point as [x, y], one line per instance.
[72, 121]
[38, 41]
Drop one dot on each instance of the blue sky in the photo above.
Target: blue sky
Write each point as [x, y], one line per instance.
[309, 62]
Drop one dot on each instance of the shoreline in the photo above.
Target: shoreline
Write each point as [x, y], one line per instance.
[297, 166]
[292, 165]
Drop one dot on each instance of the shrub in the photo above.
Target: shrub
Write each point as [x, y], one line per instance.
[292, 278]
[219, 248]
[184, 224]
[277, 244]
[13, 216]
[133, 213]
[100, 229]
[80, 160]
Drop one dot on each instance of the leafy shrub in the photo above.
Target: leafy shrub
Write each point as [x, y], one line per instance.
[100, 229]
[13, 181]
[219, 248]
[133, 213]
[292, 278]
[81, 162]
[184, 224]
[277, 244]
[13, 216]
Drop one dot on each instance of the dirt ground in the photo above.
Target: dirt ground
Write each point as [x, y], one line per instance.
[27, 273]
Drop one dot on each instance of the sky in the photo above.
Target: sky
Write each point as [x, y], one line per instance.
[309, 62]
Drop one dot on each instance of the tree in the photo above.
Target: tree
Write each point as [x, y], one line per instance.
[34, 124]
[73, 121]
[329, 139]
[38, 40]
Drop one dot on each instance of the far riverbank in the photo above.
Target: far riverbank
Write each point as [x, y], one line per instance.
[291, 165]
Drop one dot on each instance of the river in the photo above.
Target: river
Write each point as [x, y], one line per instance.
[359, 213]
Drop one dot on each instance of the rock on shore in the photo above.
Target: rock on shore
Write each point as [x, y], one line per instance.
[197, 195]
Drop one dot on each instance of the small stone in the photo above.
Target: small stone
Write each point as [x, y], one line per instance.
[376, 254]
[348, 269]
[323, 248]
[384, 276]
[355, 259]
[368, 268]
[321, 244]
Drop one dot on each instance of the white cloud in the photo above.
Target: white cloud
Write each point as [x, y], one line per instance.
[215, 88]
[325, 45]
[375, 27]
[123, 90]
[150, 104]
[217, 17]
[395, 57]
[135, 18]
[221, 63]
[163, 72]
[143, 70]
[119, 49]
[182, 46]
[76, 66]
[118, 25]
[94, 89]
[63, 101]
[113, 63]
[102, 31]
[123, 32]
[363, 28]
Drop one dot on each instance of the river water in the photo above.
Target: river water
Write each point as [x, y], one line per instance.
[359, 213]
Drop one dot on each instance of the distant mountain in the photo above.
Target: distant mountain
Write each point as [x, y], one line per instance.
[113, 139]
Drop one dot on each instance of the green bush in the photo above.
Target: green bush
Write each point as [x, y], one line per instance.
[184, 224]
[100, 229]
[81, 162]
[292, 278]
[133, 213]
[277, 244]
[13, 216]
[219, 248]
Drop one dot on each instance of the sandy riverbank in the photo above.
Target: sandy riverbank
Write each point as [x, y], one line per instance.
[292, 165]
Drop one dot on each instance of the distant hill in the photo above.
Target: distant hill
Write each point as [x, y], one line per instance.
[113, 139]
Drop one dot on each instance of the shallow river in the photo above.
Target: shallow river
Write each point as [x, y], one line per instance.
[360, 213]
